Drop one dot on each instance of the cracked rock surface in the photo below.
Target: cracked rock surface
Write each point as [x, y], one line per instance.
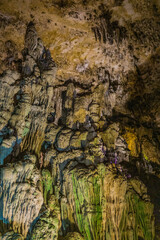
[80, 120]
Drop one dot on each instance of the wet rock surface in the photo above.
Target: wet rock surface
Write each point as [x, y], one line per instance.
[80, 120]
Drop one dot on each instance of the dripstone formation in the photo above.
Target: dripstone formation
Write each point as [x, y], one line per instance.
[80, 134]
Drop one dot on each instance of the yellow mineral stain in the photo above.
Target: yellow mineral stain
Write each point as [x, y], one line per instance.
[80, 115]
[132, 141]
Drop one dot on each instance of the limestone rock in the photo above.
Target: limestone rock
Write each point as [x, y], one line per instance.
[79, 119]
[48, 223]
[12, 236]
[73, 235]
[20, 193]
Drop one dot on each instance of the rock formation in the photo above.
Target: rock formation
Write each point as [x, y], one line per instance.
[80, 120]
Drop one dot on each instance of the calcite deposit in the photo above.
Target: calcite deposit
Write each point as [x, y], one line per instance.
[80, 120]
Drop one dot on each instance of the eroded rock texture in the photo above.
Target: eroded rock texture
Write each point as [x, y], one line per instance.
[80, 120]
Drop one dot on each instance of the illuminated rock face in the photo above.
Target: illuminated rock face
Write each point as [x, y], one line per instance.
[20, 191]
[79, 135]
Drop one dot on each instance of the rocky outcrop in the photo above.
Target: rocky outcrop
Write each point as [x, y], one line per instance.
[107, 205]
[21, 190]
[79, 135]
[12, 235]
[47, 225]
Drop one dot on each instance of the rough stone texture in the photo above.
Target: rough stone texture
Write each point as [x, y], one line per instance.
[80, 134]
[72, 236]
[20, 191]
[12, 236]
[48, 224]
[107, 205]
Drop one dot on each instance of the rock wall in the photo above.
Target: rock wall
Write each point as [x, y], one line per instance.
[79, 135]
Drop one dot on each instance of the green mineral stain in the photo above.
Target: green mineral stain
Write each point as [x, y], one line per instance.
[77, 204]
[142, 216]
[88, 192]
[26, 129]
[47, 183]
[136, 219]
[145, 156]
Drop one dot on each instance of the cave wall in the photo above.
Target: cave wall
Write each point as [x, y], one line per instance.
[80, 120]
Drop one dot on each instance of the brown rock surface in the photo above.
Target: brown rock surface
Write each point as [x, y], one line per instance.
[80, 119]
